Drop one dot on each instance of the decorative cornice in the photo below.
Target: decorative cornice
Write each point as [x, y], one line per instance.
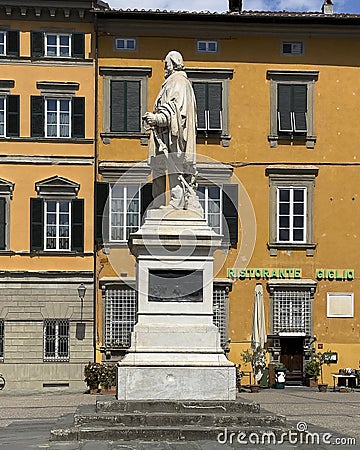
[47, 160]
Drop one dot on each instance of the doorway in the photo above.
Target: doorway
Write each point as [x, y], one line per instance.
[292, 358]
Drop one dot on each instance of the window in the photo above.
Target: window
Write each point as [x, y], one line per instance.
[6, 190]
[292, 107]
[57, 217]
[291, 214]
[291, 208]
[57, 222]
[2, 338]
[9, 43]
[211, 88]
[211, 201]
[209, 106]
[120, 316]
[125, 44]
[124, 211]
[9, 111]
[57, 117]
[57, 45]
[221, 309]
[56, 340]
[207, 46]
[292, 48]
[292, 308]
[125, 100]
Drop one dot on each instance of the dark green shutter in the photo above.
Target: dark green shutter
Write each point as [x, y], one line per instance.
[117, 105]
[102, 213]
[214, 106]
[13, 115]
[78, 45]
[37, 116]
[13, 43]
[37, 224]
[78, 117]
[37, 43]
[2, 223]
[230, 213]
[200, 95]
[146, 198]
[300, 107]
[133, 106]
[284, 108]
[77, 225]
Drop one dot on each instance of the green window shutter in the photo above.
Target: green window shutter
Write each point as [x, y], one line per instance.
[78, 117]
[284, 108]
[117, 105]
[146, 198]
[102, 212]
[2, 223]
[13, 115]
[230, 213]
[37, 116]
[200, 92]
[214, 106]
[300, 107]
[132, 106]
[77, 225]
[37, 43]
[36, 224]
[13, 43]
[78, 45]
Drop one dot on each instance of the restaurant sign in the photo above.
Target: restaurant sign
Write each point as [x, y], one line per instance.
[288, 274]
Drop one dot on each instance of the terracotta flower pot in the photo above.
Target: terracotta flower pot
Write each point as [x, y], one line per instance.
[254, 388]
[322, 387]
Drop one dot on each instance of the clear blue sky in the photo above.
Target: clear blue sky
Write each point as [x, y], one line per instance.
[340, 6]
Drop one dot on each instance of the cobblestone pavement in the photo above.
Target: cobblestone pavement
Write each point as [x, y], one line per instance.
[26, 420]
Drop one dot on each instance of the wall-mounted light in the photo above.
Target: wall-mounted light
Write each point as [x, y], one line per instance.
[81, 293]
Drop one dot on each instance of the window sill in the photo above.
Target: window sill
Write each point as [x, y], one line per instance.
[47, 140]
[275, 246]
[108, 135]
[58, 253]
[7, 252]
[275, 140]
[210, 136]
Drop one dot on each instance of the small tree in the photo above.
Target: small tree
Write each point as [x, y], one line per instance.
[257, 359]
[313, 368]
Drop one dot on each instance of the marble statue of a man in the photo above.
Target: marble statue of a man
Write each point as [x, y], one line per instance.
[172, 146]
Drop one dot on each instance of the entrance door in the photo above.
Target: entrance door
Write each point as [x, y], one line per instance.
[292, 358]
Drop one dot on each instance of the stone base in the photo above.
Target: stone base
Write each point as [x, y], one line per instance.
[175, 383]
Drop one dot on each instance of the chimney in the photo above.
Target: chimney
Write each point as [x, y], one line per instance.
[328, 7]
[235, 6]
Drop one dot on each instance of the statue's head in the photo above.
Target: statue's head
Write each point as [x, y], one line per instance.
[173, 62]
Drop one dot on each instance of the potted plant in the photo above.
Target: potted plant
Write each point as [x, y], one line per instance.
[257, 360]
[323, 358]
[312, 372]
[107, 377]
[92, 376]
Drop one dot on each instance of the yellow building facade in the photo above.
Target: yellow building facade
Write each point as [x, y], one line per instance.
[47, 101]
[277, 162]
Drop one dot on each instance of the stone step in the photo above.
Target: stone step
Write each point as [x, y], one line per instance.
[177, 406]
[163, 419]
[174, 433]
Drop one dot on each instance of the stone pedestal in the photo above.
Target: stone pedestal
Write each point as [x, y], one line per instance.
[175, 349]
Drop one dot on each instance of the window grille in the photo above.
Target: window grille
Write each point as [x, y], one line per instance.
[120, 317]
[56, 340]
[220, 319]
[292, 311]
[2, 339]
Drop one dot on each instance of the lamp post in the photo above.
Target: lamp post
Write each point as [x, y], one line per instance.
[81, 293]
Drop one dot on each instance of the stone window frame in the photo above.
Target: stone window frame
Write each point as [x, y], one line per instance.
[223, 75]
[6, 192]
[142, 74]
[306, 77]
[296, 176]
[56, 358]
[207, 41]
[291, 42]
[125, 49]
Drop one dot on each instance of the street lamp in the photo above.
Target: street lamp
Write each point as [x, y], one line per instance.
[81, 293]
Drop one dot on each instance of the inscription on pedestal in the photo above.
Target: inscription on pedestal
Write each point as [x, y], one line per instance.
[175, 286]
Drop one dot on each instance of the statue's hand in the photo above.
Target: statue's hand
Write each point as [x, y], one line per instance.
[150, 118]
